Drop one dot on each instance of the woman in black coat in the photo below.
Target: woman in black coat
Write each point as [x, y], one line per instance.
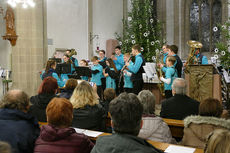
[47, 91]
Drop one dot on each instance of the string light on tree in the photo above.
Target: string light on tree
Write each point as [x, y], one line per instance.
[24, 3]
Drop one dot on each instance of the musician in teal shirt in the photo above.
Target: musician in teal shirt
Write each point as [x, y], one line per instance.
[97, 71]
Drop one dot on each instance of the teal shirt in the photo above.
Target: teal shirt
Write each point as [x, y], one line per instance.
[165, 55]
[119, 63]
[127, 79]
[170, 73]
[96, 78]
[134, 68]
[110, 82]
[54, 75]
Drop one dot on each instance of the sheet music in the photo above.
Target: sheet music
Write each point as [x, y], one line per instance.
[179, 149]
[148, 72]
[89, 133]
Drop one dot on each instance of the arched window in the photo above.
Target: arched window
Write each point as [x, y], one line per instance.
[204, 16]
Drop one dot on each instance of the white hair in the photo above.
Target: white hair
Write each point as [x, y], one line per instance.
[179, 86]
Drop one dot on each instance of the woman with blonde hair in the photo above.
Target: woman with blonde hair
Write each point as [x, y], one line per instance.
[88, 113]
[218, 142]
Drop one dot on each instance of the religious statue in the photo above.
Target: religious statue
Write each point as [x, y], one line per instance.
[10, 26]
[9, 17]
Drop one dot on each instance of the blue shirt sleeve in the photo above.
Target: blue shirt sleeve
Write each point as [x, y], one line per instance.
[204, 60]
[76, 62]
[136, 66]
[60, 83]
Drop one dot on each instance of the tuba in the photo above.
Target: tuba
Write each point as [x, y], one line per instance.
[194, 46]
[72, 52]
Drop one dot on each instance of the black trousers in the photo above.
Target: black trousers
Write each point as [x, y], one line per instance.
[168, 94]
[137, 86]
[119, 84]
[99, 91]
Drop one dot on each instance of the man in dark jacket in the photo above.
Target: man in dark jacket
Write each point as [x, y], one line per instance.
[17, 127]
[126, 112]
[179, 106]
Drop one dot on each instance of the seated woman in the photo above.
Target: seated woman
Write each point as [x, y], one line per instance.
[109, 95]
[218, 142]
[197, 128]
[46, 92]
[154, 128]
[69, 88]
[57, 136]
[87, 113]
[50, 71]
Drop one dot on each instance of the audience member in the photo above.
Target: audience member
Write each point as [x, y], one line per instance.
[109, 95]
[87, 113]
[69, 88]
[179, 106]
[5, 147]
[126, 112]
[17, 127]
[46, 92]
[198, 127]
[218, 142]
[137, 69]
[57, 136]
[154, 128]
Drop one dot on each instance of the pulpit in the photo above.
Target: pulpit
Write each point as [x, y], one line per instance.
[203, 82]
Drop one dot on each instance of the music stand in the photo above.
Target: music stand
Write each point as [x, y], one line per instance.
[63, 68]
[57, 60]
[83, 71]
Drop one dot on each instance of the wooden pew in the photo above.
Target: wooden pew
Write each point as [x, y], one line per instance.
[176, 127]
[159, 145]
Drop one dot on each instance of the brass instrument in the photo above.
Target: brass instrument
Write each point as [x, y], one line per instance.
[72, 52]
[159, 59]
[194, 46]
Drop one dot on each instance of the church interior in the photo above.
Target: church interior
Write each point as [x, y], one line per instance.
[33, 32]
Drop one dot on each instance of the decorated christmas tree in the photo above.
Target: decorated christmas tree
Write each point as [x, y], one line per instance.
[222, 50]
[142, 27]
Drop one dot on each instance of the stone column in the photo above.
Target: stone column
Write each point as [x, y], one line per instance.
[27, 55]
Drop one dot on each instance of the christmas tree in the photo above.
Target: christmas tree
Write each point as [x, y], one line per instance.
[222, 50]
[142, 27]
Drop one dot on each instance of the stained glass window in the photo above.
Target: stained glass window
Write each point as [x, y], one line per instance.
[204, 16]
